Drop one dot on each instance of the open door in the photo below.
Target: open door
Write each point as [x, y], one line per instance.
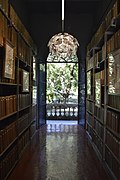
[42, 94]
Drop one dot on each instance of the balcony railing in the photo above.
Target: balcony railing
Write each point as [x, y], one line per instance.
[56, 111]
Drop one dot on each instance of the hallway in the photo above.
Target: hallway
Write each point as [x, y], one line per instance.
[59, 152]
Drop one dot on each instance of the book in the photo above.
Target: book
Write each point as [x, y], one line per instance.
[1, 28]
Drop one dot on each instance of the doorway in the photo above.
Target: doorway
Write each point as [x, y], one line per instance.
[62, 92]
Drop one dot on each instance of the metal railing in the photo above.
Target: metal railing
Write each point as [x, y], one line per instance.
[57, 111]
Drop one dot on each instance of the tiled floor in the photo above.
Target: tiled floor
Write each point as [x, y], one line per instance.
[59, 152]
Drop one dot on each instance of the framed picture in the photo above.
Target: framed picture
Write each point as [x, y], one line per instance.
[98, 89]
[114, 72]
[89, 83]
[25, 84]
[34, 68]
[9, 66]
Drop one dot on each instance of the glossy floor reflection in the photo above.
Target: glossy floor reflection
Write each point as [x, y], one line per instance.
[59, 152]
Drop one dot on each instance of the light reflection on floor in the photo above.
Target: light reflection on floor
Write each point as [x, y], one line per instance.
[61, 122]
[58, 126]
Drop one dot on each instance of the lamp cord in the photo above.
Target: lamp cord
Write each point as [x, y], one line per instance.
[63, 14]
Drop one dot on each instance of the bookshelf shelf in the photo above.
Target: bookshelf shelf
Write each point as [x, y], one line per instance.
[89, 112]
[23, 63]
[97, 151]
[19, 134]
[98, 119]
[113, 132]
[11, 170]
[4, 117]
[93, 49]
[25, 108]
[95, 147]
[7, 84]
[33, 135]
[115, 24]
[21, 153]
[8, 147]
[116, 158]
[109, 171]
[98, 136]
[34, 120]
[114, 109]
[90, 125]
[5, 14]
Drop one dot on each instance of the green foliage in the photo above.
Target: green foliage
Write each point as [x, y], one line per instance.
[62, 81]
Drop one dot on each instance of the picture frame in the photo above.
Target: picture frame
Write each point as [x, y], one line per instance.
[114, 72]
[9, 64]
[25, 81]
[98, 89]
[34, 68]
[89, 83]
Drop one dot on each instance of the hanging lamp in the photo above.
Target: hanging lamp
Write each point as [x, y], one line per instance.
[63, 45]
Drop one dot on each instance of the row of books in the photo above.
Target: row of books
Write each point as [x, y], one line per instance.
[7, 105]
[7, 32]
[112, 14]
[114, 101]
[9, 133]
[34, 112]
[99, 128]
[90, 63]
[23, 141]
[24, 51]
[32, 129]
[21, 28]
[90, 119]
[21, 48]
[114, 42]
[7, 136]
[23, 123]
[24, 100]
[11, 157]
[4, 6]
[98, 58]
[97, 142]
[6, 80]
[113, 143]
[6, 26]
[99, 113]
[2, 28]
[89, 106]
[113, 121]
[13, 38]
[112, 163]
[89, 130]
[8, 162]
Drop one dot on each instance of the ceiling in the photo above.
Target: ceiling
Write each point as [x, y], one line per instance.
[43, 17]
[71, 6]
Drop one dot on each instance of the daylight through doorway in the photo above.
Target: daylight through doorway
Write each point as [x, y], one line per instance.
[62, 92]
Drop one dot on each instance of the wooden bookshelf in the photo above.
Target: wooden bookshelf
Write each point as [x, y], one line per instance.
[18, 115]
[103, 111]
